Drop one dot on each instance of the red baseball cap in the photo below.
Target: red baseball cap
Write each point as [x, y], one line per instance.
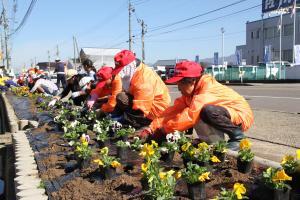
[184, 69]
[122, 59]
[104, 74]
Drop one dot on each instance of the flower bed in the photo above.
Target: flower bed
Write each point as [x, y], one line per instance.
[66, 177]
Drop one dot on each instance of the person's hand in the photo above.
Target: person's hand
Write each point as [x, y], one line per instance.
[52, 103]
[76, 94]
[144, 133]
[90, 104]
[56, 97]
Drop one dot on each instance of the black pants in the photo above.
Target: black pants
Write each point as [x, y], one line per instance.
[61, 78]
[218, 117]
[134, 118]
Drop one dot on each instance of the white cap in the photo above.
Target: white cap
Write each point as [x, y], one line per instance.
[84, 81]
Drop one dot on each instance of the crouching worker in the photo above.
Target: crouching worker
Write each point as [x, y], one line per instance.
[77, 95]
[103, 97]
[46, 87]
[210, 107]
[145, 96]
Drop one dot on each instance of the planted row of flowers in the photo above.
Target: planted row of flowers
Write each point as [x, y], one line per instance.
[158, 182]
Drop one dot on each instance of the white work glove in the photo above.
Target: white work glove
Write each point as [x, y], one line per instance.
[76, 94]
[52, 103]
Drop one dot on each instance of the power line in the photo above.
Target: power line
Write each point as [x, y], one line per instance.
[197, 38]
[194, 17]
[28, 12]
[206, 21]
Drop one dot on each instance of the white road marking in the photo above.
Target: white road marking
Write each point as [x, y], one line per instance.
[270, 97]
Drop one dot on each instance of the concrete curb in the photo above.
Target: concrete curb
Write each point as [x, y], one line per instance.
[258, 160]
[26, 179]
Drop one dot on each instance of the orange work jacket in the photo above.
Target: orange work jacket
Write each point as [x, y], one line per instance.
[116, 88]
[185, 112]
[150, 94]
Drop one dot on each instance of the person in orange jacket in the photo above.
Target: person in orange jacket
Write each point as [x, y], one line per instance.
[107, 89]
[145, 96]
[203, 101]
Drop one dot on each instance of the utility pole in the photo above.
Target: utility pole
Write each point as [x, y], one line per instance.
[48, 61]
[130, 9]
[222, 31]
[74, 51]
[57, 52]
[2, 51]
[34, 61]
[294, 38]
[5, 27]
[78, 53]
[143, 39]
[280, 44]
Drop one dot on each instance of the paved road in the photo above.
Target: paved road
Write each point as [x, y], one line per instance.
[276, 122]
[272, 97]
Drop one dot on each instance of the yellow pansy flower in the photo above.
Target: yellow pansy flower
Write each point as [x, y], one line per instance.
[203, 145]
[147, 150]
[144, 167]
[204, 176]
[239, 190]
[78, 148]
[170, 172]
[269, 170]
[104, 151]
[224, 151]
[162, 175]
[85, 144]
[281, 176]
[99, 162]
[115, 164]
[153, 143]
[287, 158]
[215, 159]
[178, 175]
[186, 146]
[298, 154]
[245, 144]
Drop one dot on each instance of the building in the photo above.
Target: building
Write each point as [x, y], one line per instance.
[166, 66]
[99, 56]
[266, 32]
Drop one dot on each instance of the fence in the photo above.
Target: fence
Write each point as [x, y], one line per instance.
[268, 72]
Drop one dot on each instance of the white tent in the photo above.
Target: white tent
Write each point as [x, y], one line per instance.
[99, 56]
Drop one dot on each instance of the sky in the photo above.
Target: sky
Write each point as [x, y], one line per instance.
[104, 24]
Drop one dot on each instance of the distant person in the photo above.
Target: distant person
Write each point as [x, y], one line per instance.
[89, 68]
[204, 103]
[44, 86]
[60, 69]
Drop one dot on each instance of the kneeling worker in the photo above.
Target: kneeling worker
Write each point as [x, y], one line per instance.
[203, 100]
[145, 96]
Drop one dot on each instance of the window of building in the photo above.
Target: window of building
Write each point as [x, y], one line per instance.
[269, 33]
[265, 33]
[252, 34]
[257, 59]
[257, 34]
[288, 29]
[275, 55]
[288, 55]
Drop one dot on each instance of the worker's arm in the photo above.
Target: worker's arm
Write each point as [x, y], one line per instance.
[115, 90]
[36, 85]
